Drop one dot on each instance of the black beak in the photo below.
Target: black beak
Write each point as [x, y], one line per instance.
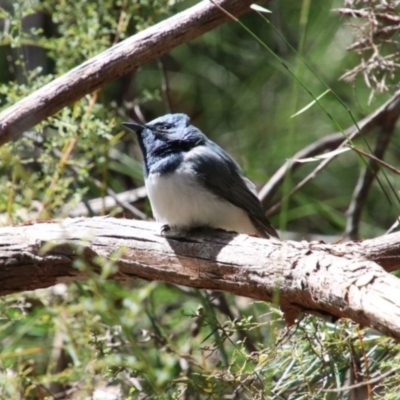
[138, 128]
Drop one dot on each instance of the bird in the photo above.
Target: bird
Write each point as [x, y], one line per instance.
[192, 182]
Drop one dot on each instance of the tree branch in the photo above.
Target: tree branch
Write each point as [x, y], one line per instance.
[115, 62]
[107, 203]
[390, 111]
[365, 181]
[343, 280]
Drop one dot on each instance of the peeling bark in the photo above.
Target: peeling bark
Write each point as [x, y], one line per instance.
[342, 280]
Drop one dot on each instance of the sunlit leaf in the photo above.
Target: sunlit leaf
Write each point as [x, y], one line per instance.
[258, 8]
[309, 105]
[330, 154]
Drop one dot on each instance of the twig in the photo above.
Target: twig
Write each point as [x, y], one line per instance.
[304, 181]
[268, 192]
[165, 85]
[380, 23]
[120, 200]
[364, 183]
[104, 204]
[365, 383]
[219, 300]
[377, 160]
[113, 199]
[388, 111]
[368, 14]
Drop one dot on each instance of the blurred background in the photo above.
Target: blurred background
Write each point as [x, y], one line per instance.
[242, 87]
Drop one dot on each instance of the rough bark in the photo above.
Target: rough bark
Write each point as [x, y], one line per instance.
[115, 62]
[343, 280]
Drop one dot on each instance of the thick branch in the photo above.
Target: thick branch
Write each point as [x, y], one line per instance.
[115, 62]
[342, 279]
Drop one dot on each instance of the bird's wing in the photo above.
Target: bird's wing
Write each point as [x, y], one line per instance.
[220, 174]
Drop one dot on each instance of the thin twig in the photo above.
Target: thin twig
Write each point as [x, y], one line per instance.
[365, 383]
[165, 90]
[113, 199]
[364, 184]
[388, 111]
[104, 204]
[269, 190]
[219, 300]
[377, 160]
[303, 182]
[367, 14]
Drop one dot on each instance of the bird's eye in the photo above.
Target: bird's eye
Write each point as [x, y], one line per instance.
[165, 126]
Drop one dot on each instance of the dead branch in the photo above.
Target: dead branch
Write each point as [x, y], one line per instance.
[365, 181]
[388, 18]
[388, 113]
[342, 279]
[376, 44]
[107, 203]
[115, 62]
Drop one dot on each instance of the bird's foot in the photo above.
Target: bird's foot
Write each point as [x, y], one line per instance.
[173, 232]
[180, 232]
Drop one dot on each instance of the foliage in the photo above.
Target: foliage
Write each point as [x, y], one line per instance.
[148, 340]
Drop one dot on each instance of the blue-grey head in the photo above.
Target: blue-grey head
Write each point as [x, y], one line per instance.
[164, 140]
[191, 181]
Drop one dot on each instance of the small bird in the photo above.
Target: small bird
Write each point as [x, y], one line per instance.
[192, 182]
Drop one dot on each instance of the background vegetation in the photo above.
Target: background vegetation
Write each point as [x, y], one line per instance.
[103, 340]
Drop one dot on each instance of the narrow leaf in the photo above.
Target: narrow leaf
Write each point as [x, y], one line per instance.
[310, 104]
[330, 154]
[258, 8]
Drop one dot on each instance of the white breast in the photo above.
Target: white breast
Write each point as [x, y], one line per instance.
[180, 201]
